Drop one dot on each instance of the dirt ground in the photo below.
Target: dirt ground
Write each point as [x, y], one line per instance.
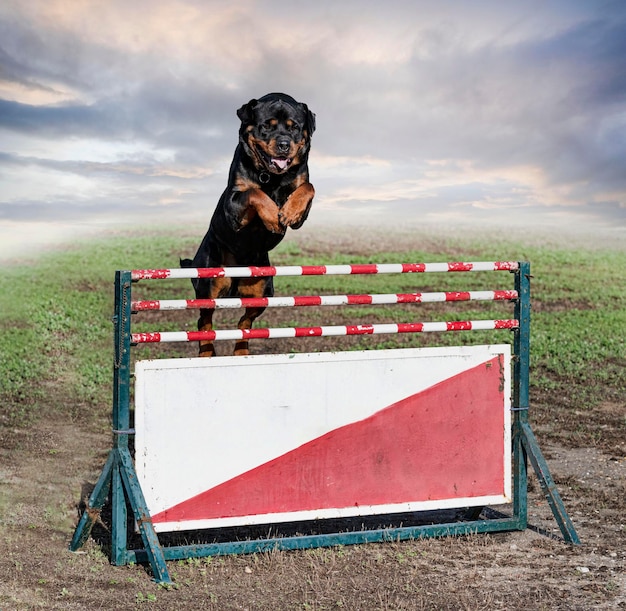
[47, 467]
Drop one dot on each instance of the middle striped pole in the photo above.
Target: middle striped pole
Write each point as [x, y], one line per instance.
[319, 300]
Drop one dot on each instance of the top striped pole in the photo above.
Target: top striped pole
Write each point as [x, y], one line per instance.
[321, 270]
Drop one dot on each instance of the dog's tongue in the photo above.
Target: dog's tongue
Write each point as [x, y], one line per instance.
[281, 163]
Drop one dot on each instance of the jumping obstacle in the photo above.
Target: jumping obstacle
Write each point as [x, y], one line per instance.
[347, 434]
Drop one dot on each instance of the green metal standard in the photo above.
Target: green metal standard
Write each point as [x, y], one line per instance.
[118, 481]
[119, 477]
[525, 446]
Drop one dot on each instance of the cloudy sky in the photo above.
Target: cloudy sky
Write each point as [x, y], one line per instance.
[483, 112]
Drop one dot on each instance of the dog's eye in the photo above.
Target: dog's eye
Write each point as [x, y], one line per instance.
[293, 127]
[265, 129]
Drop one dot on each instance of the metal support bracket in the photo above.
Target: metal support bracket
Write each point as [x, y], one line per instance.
[539, 464]
[119, 466]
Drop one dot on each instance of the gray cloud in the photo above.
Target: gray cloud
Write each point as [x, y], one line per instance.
[52, 121]
[520, 105]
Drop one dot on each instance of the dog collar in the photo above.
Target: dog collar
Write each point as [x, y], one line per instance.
[264, 177]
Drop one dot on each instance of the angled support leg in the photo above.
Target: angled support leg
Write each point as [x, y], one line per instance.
[94, 505]
[142, 516]
[120, 478]
[531, 447]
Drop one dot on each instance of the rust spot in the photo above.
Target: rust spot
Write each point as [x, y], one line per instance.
[94, 515]
[502, 377]
[144, 519]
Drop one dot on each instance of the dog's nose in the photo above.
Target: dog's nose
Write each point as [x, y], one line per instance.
[283, 145]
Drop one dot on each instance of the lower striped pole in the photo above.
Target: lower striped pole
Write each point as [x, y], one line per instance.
[288, 332]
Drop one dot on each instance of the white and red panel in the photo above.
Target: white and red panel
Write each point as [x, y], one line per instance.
[260, 439]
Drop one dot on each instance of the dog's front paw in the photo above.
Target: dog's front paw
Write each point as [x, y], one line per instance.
[270, 218]
[289, 217]
[276, 227]
[296, 209]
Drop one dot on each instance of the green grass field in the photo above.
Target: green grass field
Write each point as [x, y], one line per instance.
[55, 391]
[56, 313]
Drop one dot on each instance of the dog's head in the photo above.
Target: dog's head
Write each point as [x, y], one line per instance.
[276, 132]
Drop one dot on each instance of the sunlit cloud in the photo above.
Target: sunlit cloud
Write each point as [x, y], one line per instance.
[424, 110]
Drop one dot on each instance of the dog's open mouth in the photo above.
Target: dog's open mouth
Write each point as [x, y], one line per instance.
[280, 163]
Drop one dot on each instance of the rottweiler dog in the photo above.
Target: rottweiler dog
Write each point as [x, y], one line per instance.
[268, 191]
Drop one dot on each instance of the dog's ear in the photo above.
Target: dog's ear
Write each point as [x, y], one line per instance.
[245, 113]
[310, 118]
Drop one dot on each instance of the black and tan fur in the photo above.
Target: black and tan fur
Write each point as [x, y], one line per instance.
[268, 191]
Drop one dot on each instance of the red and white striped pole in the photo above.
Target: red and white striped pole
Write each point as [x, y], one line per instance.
[325, 300]
[318, 300]
[322, 270]
[281, 333]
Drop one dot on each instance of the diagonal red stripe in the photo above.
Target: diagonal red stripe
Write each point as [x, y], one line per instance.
[442, 443]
